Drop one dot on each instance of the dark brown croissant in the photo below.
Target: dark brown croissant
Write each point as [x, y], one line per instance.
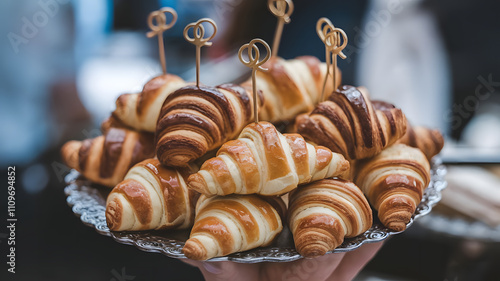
[350, 124]
[106, 159]
[195, 120]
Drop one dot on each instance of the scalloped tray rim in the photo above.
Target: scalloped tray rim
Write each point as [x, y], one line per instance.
[375, 234]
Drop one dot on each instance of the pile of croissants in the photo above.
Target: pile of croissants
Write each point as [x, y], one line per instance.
[180, 156]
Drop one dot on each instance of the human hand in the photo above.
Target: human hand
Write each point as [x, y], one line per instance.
[338, 267]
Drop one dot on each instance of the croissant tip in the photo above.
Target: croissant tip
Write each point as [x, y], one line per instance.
[313, 242]
[113, 215]
[121, 101]
[197, 183]
[312, 250]
[69, 153]
[194, 250]
[396, 225]
[396, 221]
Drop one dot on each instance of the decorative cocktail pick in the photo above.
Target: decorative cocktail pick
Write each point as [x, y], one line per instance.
[335, 41]
[254, 63]
[282, 9]
[199, 41]
[157, 29]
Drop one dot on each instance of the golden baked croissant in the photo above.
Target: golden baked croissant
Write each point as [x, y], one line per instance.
[264, 161]
[106, 159]
[350, 124]
[195, 120]
[291, 87]
[151, 196]
[394, 182]
[322, 213]
[140, 111]
[234, 223]
[429, 141]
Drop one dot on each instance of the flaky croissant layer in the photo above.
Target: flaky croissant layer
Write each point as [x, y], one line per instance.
[264, 161]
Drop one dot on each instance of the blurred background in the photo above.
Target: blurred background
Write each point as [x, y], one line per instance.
[65, 62]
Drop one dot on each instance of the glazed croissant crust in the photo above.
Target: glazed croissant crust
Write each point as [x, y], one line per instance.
[151, 196]
[233, 223]
[322, 213]
[106, 159]
[264, 161]
[350, 124]
[394, 182]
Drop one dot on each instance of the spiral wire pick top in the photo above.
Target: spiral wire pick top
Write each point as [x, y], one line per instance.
[160, 17]
[282, 9]
[199, 40]
[335, 41]
[255, 64]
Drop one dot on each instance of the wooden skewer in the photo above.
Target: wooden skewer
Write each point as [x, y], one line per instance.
[335, 41]
[282, 9]
[199, 41]
[337, 36]
[323, 27]
[253, 62]
[158, 29]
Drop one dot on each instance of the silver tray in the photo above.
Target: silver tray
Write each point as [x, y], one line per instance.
[88, 201]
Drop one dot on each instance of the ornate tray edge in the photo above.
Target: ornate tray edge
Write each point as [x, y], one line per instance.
[95, 218]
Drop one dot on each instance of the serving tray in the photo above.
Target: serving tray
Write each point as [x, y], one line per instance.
[88, 201]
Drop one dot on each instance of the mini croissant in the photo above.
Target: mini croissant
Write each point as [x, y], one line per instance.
[195, 120]
[322, 213]
[394, 182]
[151, 196]
[264, 161]
[106, 159]
[350, 124]
[291, 87]
[233, 223]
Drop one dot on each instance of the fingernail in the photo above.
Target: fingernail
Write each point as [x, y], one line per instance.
[212, 268]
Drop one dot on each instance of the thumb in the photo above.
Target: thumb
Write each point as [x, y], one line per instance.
[225, 270]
